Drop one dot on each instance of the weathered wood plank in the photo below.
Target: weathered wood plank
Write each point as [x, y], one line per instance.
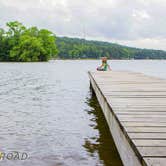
[153, 129]
[142, 116]
[143, 124]
[139, 109]
[149, 136]
[149, 142]
[130, 119]
[152, 151]
[155, 161]
[133, 113]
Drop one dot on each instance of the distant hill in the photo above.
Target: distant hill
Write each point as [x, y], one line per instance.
[75, 48]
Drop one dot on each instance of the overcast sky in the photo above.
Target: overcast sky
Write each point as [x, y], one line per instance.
[140, 23]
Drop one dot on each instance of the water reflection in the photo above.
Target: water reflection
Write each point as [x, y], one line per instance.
[102, 144]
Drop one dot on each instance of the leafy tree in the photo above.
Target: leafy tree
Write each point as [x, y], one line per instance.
[26, 44]
[29, 49]
[15, 30]
[2, 44]
[48, 41]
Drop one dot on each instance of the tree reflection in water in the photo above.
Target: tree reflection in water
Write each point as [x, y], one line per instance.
[103, 143]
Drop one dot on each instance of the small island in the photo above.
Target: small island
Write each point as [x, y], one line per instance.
[21, 44]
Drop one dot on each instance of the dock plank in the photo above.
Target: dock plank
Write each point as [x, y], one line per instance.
[155, 161]
[149, 142]
[154, 129]
[143, 124]
[149, 136]
[152, 151]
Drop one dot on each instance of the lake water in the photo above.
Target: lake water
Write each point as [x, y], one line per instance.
[48, 111]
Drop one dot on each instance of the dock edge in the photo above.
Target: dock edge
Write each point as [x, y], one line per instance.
[127, 154]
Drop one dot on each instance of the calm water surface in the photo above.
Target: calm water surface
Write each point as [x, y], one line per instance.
[48, 111]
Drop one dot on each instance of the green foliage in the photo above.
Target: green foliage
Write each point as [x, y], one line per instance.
[26, 44]
[29, 49]
[73, 48]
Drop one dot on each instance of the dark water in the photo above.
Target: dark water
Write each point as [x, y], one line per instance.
[48, 111]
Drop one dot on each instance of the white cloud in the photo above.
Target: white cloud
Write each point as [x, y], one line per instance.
[140, 23]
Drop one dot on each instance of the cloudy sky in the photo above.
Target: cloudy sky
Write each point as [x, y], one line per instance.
[140, 23]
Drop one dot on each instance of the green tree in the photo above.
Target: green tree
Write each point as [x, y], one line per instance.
[2, 44]
[29, 49]
[26, 44]
[15, 28]
[48, 41]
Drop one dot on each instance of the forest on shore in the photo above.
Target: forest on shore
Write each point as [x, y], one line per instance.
[21, 44]
[74, 48]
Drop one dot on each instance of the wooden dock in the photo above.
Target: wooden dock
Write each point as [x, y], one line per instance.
[134, 106]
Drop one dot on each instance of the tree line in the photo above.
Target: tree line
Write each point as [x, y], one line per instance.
[21, 44]
[74, 48]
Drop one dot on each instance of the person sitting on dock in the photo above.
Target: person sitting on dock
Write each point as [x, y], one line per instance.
[105, 66]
